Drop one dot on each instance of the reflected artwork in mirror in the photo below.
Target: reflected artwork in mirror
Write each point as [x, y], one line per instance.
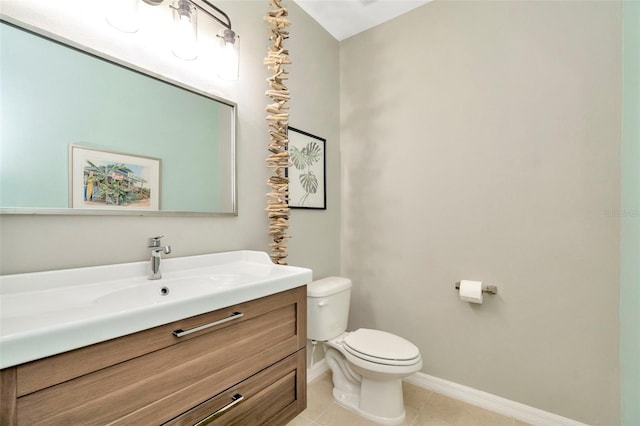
[55, 97]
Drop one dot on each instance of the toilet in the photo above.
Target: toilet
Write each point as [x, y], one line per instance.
[367, 365]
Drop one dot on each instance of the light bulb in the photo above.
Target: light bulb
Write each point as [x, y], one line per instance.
[229, 56]
[184, 40]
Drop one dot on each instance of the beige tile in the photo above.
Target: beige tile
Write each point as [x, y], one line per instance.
[414, 396]
[423, 408]
[411, 414]
[426, 421]
[319, 397]
[517, 422]
[300, 421]
[476, 416]
[323, 378]
[339, 416]
[439, 409]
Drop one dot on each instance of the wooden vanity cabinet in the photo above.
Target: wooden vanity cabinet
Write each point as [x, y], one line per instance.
[244, 364]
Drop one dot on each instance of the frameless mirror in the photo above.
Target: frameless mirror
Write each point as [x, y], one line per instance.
[83, 135]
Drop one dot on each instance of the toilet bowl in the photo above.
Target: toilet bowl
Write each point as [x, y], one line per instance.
[367, 365]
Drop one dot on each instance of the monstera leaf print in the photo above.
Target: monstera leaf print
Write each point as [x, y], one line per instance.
[311, 152]
[303, 159]
[309, 182]
[297, 158]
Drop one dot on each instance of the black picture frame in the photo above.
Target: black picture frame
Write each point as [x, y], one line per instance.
[307, 174]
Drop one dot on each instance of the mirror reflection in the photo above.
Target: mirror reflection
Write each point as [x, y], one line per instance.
[55, 97]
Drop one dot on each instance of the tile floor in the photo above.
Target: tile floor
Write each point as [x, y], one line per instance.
[423, 408]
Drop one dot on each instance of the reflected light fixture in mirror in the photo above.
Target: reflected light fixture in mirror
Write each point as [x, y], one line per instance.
[124, 17]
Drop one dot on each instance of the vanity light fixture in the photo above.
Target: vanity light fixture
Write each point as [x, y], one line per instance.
[185, 30]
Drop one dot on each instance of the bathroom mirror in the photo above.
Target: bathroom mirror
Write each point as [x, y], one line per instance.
[55, 97]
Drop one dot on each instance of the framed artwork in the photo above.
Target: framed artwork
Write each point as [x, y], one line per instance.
[100, 179]
[307, 174]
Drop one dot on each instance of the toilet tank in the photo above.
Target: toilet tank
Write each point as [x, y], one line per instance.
[328, 307]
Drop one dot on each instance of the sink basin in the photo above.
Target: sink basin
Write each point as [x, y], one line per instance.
[46, 313]
[168, 290]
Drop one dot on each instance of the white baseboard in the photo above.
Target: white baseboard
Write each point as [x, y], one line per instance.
[317, 370]
[471, 396]
[490, 402]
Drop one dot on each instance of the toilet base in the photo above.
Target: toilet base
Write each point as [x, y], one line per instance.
[351, 401]
[370, 390]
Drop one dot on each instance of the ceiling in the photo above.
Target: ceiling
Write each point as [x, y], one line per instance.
[344, 18]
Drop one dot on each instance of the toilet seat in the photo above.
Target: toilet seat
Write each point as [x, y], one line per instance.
[381, 347]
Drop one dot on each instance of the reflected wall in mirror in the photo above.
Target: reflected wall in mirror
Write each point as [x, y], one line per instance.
[54, 96]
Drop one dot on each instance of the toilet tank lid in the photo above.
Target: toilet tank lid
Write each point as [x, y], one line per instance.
[328, 286]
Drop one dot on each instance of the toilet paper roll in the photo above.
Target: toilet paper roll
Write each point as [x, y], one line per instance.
[471, 291]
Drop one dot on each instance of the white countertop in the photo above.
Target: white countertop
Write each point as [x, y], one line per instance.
[46, 313]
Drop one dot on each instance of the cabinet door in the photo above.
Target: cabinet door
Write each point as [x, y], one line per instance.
[272, 396]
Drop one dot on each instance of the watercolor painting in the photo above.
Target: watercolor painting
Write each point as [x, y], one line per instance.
[102, 179]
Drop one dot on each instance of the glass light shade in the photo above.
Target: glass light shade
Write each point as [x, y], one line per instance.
[184, 38]
[123, 15]
[228, 55]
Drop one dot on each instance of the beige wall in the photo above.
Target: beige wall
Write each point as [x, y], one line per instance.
[480, 140]
[315, 108]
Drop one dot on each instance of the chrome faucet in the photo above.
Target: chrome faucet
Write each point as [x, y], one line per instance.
[156, 255]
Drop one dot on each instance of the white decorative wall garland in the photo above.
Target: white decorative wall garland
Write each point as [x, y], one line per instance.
[278, 120]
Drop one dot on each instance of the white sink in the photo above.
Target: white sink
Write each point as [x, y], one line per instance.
[46, 313]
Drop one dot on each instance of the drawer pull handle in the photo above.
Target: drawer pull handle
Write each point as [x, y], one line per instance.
[180, 332]
[235, 399]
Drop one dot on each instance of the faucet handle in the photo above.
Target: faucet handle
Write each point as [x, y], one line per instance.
[155, 241]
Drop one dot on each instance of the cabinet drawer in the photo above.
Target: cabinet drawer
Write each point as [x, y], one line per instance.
[153, 387]
[272, 396]
[51, 371]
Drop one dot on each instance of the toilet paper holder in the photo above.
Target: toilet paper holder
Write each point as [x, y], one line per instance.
[493, 289]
